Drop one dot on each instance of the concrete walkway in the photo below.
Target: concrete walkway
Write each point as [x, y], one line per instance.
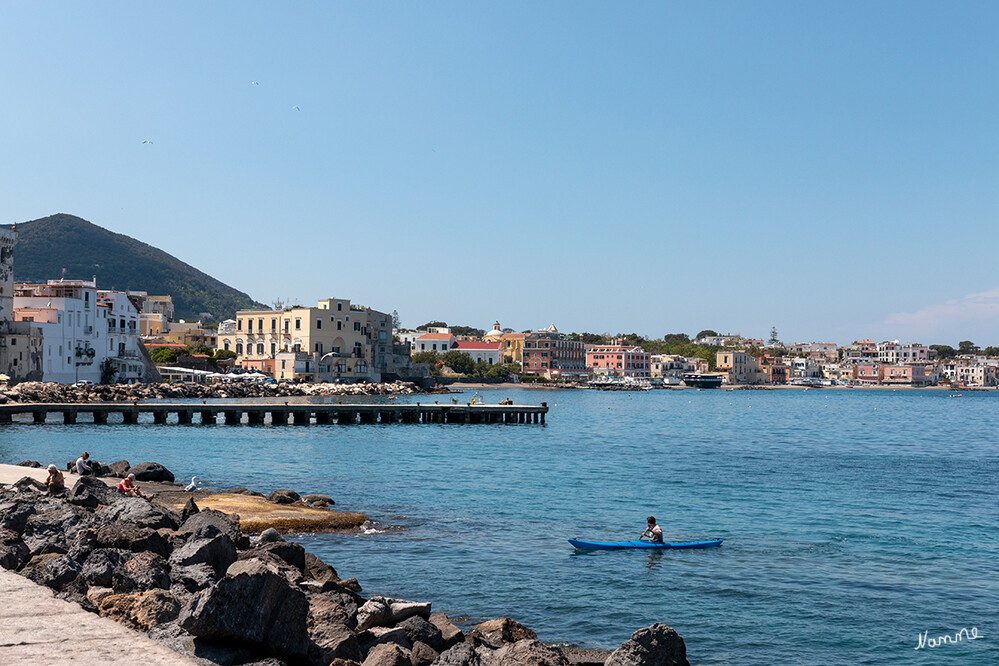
[38, 629]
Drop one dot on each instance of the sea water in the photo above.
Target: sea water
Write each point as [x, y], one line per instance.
[854, 521]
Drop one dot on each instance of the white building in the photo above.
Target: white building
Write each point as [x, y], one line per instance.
[74, 327]
[480, 351]
[123, 345]
[438, 342]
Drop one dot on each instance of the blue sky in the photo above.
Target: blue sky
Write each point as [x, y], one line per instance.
[831, 169]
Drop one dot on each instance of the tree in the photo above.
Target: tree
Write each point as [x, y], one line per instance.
[396, 322]
[967, 347]
[497, 372]
[773, 336]
[432, 324]
[430, 357]
[944, 351]
[470, 331]
[991, 351]
[592, 338]
[164, 355]
[203, 349]
[108, 371]
[223, 354]
[458, 361]
[676, 339]
[706, 333]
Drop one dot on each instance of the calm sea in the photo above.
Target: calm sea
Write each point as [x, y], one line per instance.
[853, 520]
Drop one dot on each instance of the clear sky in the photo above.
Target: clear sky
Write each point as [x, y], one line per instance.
[831, 169]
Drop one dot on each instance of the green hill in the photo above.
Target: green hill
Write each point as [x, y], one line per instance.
[46, 246]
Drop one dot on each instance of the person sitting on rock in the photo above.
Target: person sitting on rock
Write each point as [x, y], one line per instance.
[654, 532]
[82, 468]
[55, 482]
[128, 488]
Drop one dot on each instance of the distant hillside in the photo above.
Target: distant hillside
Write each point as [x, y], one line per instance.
[48, 245]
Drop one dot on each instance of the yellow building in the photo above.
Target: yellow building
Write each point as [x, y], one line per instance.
[512, 347]
[344, 341]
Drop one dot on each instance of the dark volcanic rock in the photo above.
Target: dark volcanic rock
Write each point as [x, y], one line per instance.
[494, 633]
[283, 496]
[420, 630]
[102, 563]
[143, 571]
[223, 522]
[14, 554]
[318, 500]
[270, 535]
[241, 491]
[450, 632]
[317, 570]
[119, 469]
[151, 471]
[422, 654]
[190, 508]
[330, 631]
[29, 463]
[529, 651]
[252, 604]
[133, 538]
[292, 553]
[387, 654]
[657, 645]
[14, 515]
[217, 551]
[464, 654]
[139, 511]
[141, 611]
[90, 492]
[60, 571]
[193, 577]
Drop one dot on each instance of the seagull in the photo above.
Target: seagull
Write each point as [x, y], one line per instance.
[296, 108]
[191, 487]
[254, 83]
[147, 141]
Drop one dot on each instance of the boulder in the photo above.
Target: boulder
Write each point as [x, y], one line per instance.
[273, 563]
[193, 577]
[141, 611]
[90, 492]
[529, 651]
[465, 654]
[384, 612]
[495, 633]
[422, 654]
[656, 645]
[450, 632]
[190, 508]
[290, 552]
[29, 463]
[14, 554]
[59, 572]
[151, 471]
[420, 630]
[330, 632]
[321, 501]
[202, 650]
[217, 551]
[132, 537]
[283, 496]
[387, 654]
[241, 491]
[14, 515]
[251, 604]
[381, 636]
[584, 657]
[119, 469]
[139, 511]
[317, 570]
[226, 523]
[101, 564]
[270, 535]
[97, 593]
[142, 571]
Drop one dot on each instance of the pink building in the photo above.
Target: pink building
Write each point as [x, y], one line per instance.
[910, 375]
[619, 360]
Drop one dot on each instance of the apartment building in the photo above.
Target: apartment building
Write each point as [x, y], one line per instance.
[550, 354]
[346, 342]
[619, 360]
[741, 367]
[893, 352]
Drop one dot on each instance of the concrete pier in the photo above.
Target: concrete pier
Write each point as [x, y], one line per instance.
[259, 413]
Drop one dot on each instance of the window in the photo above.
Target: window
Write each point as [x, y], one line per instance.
[249, 326]
[319, 322]
[298, 323]
[357, 326]
[260, 324]
[273, 325]
[286, 325]
[273, 349]
[339, 307]
[339, 325]
[260, 348]
[239, 348]
[239, 324]
[225, 345]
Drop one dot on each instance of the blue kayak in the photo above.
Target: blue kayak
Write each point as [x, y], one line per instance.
[623, 545]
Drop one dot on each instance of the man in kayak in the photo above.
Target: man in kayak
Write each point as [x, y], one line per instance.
[654, 532]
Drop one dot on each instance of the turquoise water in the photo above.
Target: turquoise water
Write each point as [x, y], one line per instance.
[853, 520]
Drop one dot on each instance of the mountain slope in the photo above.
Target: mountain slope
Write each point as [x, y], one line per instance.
[46, 246]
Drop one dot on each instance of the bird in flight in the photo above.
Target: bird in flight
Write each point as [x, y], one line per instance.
[296, 108]
[254, 83]
[147, 141]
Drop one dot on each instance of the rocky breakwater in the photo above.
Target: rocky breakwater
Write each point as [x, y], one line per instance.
[39, 392]
[198, 585]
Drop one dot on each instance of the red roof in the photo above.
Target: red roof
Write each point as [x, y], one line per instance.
[469, 344]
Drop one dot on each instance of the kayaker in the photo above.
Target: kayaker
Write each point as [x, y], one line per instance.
[654, 532]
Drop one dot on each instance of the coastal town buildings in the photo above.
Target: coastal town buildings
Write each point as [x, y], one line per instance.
[619, 360]
[436, 342]
[489, 352]
[740, 366]
[822, 352]
[861, 351]
[894, 352]
[552, 355]
[346, 342]
[124, 347]
[512, 347]
[20, 342]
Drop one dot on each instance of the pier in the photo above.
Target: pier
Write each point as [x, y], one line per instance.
[235, 413]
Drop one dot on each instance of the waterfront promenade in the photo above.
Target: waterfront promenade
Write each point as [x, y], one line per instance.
[36, 628]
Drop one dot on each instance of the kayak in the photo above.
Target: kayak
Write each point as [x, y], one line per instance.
[623, 545]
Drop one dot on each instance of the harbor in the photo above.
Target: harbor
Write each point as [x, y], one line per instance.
[256, 413]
